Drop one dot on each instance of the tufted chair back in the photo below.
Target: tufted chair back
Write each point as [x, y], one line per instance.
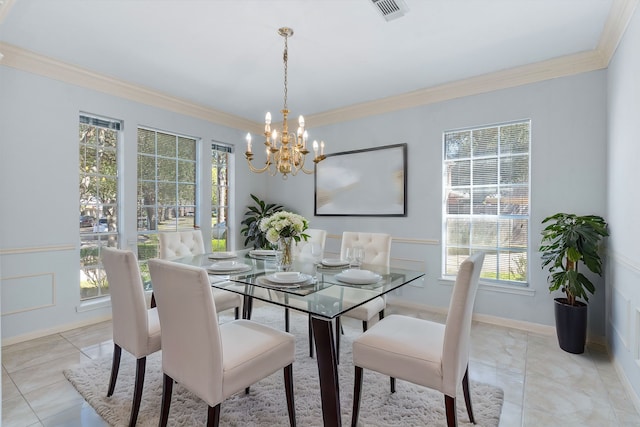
[377, 246]
[178, 244]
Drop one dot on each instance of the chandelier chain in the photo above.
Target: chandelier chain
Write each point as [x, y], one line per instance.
[285, 58]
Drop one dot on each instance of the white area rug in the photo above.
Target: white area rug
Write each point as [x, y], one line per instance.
[411, 405]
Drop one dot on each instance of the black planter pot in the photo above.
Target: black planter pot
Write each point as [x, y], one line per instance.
[571, 325]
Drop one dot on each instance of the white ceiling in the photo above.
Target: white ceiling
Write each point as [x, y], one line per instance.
[227, 54]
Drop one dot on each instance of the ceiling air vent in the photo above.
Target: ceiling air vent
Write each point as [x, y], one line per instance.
[391, 9]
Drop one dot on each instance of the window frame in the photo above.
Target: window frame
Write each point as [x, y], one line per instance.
[513, 261]
[86, 174]
[228, 149]
[150, 248]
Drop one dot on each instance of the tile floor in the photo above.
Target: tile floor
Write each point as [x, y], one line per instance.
[543, 385]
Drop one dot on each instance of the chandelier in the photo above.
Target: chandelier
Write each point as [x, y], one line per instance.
[285, 151]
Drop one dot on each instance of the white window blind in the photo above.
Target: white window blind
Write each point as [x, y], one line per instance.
[486, 199]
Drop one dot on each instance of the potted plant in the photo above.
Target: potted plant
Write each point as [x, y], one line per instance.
[254, 215]
[567, 242]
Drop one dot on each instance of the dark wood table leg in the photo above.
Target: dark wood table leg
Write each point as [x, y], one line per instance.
[328, 371]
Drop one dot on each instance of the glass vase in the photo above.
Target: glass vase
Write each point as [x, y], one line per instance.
[285, 258]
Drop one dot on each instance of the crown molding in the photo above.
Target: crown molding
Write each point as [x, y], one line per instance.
[614, 28]
[518, 76]
[31, 62]
[617, 21]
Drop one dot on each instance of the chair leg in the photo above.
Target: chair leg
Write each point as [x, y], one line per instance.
[310, 337]
[115, 367]
[213, 416]
[392, 384]
[364, 326]
[450, 405]
[167, 389]
[288, 386]
[237, 312]
[247, 390]
[137, 390]
[381, 315]
[467, 395]
[338, 329]
[357, 388]
[286, 320]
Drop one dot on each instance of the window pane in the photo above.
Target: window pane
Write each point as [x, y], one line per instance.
[186, 171]
[166, 169]
[146, 141]
[485, 142]
[515, 138]
[146, 167]
[485, 172]
[457, 145]
[459, 202]
[166, 145]
[514, 170]
[186, 148]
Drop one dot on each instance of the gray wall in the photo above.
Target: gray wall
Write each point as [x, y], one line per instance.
[623, 273]
[39, 235]
[568, 174]
[39, 171]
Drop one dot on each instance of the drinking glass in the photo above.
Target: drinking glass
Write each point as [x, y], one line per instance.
[355, 256]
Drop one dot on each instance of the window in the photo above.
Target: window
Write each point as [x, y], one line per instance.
[486, 199]
[219, 195]
[166, 189]
[98, 192]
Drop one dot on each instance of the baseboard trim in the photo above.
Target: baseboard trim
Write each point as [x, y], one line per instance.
[54, 330]
[635, 399]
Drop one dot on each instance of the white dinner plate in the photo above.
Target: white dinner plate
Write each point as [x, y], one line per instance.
[335, 262]
[263, 252]
[240, 269]
[358, 277]
[223, 266]
[222, 255]
[288, 278]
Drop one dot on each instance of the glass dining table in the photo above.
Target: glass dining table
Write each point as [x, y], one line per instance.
[322, 292]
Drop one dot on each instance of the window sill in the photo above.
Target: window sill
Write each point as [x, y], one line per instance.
[94, 304]
[495, 287]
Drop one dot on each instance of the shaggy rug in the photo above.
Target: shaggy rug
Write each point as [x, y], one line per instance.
[411, 405]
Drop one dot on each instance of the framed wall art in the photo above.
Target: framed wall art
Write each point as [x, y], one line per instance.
[368, 182]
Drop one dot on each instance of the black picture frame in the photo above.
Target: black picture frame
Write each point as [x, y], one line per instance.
[367, 182]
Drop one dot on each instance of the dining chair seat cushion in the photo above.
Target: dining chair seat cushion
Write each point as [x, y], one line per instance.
[403, 347]
[250, 352]
[226, 300]
[367, 311]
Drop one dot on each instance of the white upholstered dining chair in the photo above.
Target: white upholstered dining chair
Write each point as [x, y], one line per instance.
[427, 353]
[212, 361]
[377, 251]
[135, 328]
[177, 244]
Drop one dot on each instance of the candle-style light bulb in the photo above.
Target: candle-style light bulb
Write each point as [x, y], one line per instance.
[274, 138]
[267, 122]
[301, 121]
[248, 142]
[305, 136]
[315, 148]
[322, 148]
